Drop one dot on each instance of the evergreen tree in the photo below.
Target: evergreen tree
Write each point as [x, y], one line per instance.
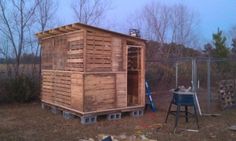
[208, 49]
[220, 51]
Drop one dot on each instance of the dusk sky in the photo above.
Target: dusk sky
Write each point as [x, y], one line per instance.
[211, 13]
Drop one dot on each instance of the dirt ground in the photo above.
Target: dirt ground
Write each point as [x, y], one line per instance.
[31, 123]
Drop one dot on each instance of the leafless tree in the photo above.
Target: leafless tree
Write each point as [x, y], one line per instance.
[182, 24]
[168, 23]
[46, 13]
[45, 16]
[157, 18]
[90, 11]
[16, 16]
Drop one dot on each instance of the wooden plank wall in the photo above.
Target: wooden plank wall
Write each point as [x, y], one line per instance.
[98, 52]
[47, 86]
[47, 48]
[59, 51]
[77, 91]
[121, 90]
[118, 54]
[106, 87]
[87, 71]
[75, 52]
[64, 52]
[63, 88]
[99, 92]
[56, 87]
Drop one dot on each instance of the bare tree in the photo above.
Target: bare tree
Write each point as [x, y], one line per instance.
[16, 16]
[157, 19]
[90, 11]
[45, 16]
[46, 13]
[183, 22]
[168, 23]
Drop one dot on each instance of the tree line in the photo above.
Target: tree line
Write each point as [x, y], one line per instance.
[172, 24]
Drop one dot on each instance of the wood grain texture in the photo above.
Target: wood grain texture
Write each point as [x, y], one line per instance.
[99, 92]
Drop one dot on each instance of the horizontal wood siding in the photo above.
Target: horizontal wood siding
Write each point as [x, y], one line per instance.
[99, 92]
[56, 87]
[121, 90]
[64, 52]
[75, 52]
[47, 58]
[118, 54]
[93, 70]
[77, 91]
[63, 88]
[47, 92]
[59, 53]
[98, 52]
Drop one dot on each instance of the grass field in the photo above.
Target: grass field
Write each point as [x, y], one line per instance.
[28, 122]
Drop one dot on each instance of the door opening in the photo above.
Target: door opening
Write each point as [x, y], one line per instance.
[134, 75]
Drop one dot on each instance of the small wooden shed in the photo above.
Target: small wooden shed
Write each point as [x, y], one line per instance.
[89, 70]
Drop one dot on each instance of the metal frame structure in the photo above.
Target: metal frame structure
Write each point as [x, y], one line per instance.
[195, 81]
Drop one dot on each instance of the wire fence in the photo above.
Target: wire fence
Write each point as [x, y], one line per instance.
[207, 75]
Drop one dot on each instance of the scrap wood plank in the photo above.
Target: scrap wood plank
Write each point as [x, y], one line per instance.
[233, 128]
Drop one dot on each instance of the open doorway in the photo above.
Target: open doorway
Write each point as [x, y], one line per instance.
[134, 75]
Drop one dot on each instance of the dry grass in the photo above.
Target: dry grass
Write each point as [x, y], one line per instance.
[29, 122]
[24, 69]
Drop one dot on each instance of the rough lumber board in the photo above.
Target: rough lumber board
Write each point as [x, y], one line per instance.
[75, 60]
[57, 87]
[117, 54]
[143, 76]
[85, 50]
[66, 72]
[99, 34]
[77, 91]
[99, 38]
[96, 112]
[96, 66]
[79, 51]
[101, 43]
[99, 90]
[77, 36]
[99, 86]
[121, 90]
[99, 47]
[75, 55]
[47, 60]
[78, 26]
[100, 52]
[74, 69]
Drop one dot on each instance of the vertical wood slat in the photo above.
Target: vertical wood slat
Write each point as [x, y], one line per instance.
[85, 68]
[85, 49]
[142, 82]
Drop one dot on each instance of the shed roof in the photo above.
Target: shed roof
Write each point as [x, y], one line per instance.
[77, 26]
